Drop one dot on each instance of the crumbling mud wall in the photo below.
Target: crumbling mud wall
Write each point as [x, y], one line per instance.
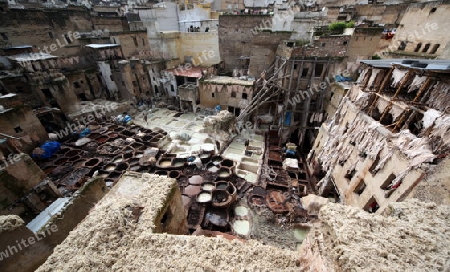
[407, 236]
[23, 250]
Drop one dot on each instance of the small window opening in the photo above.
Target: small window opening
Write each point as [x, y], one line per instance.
[350, 174]
[435, 48]
[386, 184]
[305, 72]
[425, 48]
[359, 189]
[402, 46]
[18, 129]
[371, 206]
[419, 45]
[68, 40]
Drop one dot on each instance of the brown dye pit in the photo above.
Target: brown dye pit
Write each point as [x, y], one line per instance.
[112, 135]
[220, 196]
[61, 161]
[114, 175]
[227, 163]
[174, 174]
[48, 170]
[71, 153]
[121, 167]
[92, 162]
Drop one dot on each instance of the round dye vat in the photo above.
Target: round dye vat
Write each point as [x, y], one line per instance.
[300, 233]
[118, 160]
[216, 160]
[192, 190]
[241, 227]
[222, 185]
[204, 197]
[166, 164]
[208, 187]
[240, 211]
[224, 173]
[178, 164]
[110, 168]
[213, 169]
[196, 180]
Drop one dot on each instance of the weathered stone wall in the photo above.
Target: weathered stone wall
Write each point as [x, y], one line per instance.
[423, 30]
[381, 14]
[327, 46]
[80, 85]
[55, 92]
[202, 47]
[263, 50]
[42, 28]
[53, 233]
[110, 24]
[131, 42]
[17, 178]
[236, 33]
[25, 121]
[212, 94]
[363, 44]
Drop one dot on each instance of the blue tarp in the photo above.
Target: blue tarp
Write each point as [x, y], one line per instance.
[49, 148]
[287, 118]
[126, 119]
[85, 132]
[290, 152]
[339, 78]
